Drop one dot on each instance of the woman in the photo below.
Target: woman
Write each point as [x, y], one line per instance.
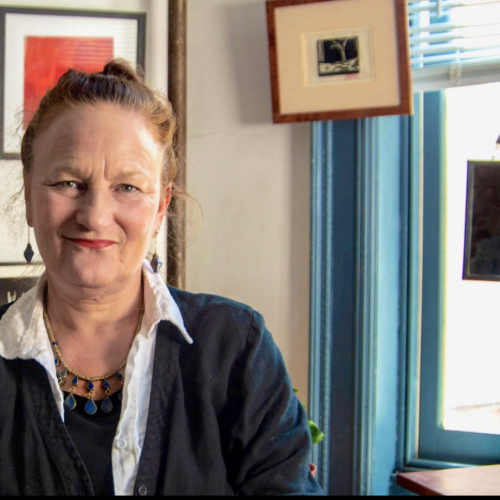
[112, 382]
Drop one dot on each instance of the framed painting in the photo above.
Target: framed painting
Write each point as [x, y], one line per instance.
[482, 226]
[39, 45]
[338, 59]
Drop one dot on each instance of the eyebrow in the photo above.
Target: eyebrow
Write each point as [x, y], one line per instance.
[67, 169]
[78, 173]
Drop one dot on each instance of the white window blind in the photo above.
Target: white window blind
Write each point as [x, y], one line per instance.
[454, 43]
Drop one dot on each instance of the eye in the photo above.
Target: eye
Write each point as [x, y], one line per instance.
[127, 188]
[67, 184]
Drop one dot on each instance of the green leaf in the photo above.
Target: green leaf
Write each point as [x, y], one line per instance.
[316, 434]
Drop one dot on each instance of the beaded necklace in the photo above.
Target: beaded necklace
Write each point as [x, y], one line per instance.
[70, 401]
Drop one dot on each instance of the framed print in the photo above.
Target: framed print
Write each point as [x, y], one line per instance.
[338, 59]
[12, 288]
[482, 227]
[39, 45]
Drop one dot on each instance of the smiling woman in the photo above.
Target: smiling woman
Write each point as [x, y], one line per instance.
[95, 183]
[112, 382]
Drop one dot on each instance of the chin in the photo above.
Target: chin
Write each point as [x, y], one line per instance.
[92, 278]
[95, 275]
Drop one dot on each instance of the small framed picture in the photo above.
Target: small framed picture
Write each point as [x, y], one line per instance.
[338, 59]
[39, 45]
[11, 289]
[482, 228]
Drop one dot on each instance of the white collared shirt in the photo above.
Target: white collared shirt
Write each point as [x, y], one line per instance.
[23, 335]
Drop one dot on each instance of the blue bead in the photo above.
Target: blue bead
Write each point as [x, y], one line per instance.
[90, 407]
[56, 362]
[90, 386]
[107, 405]
[119, 376]
[70, 402]
[156, 264]
[63, 373]
[75, 381]
[28, 253]
[54, 343]
[105, 384]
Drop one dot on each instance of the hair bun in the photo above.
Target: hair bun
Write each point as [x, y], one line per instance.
[123, 69]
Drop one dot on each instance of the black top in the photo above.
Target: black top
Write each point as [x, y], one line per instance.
[93, 437]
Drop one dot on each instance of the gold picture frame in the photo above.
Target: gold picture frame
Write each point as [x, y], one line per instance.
[338, 59]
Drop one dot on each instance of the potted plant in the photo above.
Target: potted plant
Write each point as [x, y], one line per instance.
[316, 434]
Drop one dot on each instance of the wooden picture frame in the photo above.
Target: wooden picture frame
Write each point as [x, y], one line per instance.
[338, 59]
[47, 42]
[482, 226]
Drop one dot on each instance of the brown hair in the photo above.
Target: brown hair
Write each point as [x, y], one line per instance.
[118, 84]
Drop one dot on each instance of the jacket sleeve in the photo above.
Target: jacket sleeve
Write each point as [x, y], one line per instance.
[269, 440]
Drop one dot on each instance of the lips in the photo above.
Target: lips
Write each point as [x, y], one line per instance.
[94, 244]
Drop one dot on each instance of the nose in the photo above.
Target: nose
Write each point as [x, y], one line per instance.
[95, 210]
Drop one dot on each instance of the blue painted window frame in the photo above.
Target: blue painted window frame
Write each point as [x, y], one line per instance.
[371, 300]
[435, 447]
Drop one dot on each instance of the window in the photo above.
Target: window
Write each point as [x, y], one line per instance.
[453, 418]
[457, 398]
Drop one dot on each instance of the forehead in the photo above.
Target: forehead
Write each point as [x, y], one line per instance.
[94, 135]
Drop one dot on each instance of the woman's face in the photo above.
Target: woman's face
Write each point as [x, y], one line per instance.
[94, 196]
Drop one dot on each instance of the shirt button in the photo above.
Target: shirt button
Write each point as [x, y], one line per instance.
[142, 490]
[121, 444]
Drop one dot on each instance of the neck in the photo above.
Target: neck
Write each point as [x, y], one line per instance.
[89, 312]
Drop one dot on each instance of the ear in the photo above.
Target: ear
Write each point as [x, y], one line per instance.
[166, 197]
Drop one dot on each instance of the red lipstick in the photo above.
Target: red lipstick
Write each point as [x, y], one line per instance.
[94, 244]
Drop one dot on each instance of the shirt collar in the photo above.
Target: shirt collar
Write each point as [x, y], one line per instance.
[159, 304]
[22, 330]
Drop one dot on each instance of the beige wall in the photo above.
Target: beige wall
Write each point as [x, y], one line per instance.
[251, 177]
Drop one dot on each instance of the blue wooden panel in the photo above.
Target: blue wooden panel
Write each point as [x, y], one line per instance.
[389, 143]
[355, 280]
[333, 250]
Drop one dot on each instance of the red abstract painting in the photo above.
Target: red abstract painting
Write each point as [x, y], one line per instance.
[48, 58]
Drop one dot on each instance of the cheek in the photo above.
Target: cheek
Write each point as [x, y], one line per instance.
[50, 210]
[138, 220]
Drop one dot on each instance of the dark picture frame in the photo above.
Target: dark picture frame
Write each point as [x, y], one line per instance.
[12, 288]
[482, 226]
[374, 80]
[11, 106]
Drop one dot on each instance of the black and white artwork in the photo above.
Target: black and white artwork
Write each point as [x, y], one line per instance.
[338, 56]
[12, 288]
[482, 232]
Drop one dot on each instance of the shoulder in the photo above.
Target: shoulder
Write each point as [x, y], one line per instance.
[205, 302]
[196, 307]
[212, 319]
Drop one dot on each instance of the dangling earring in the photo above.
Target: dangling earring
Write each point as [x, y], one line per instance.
[156, 262]
[28, 253]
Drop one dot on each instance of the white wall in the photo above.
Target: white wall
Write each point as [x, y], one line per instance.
[251, 177]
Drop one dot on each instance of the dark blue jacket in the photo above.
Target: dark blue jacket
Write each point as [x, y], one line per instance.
[223, 418]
